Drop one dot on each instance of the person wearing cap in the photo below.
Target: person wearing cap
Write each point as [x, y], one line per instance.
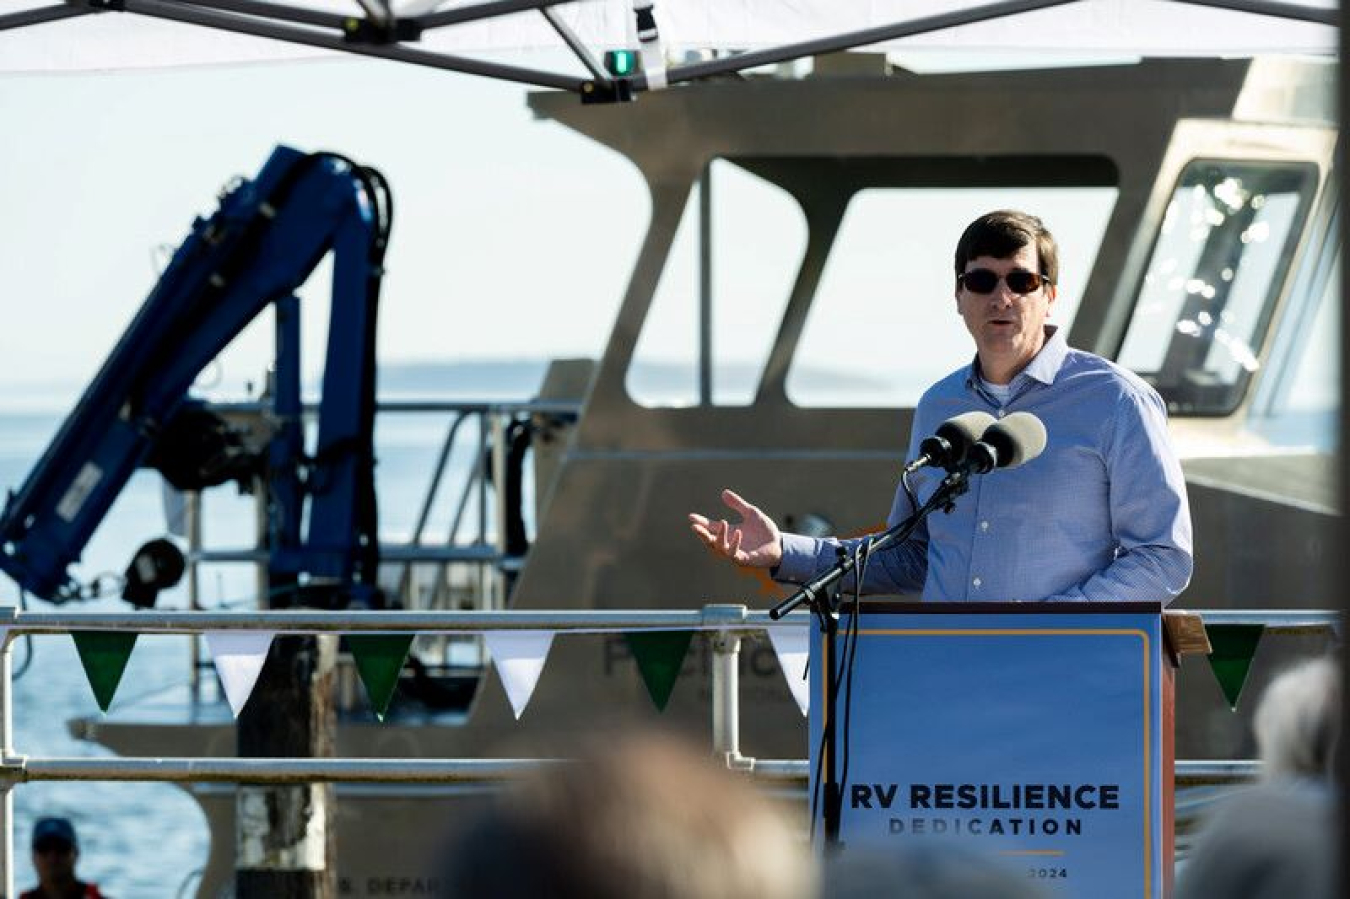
[55, 851]
[1100, 515]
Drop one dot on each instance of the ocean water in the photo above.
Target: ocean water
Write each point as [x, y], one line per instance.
[135, 839]
[147, 841]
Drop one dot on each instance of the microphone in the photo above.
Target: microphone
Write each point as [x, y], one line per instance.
[953, 440]
[1015, 440]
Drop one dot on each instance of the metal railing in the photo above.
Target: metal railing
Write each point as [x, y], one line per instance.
[726, 624]
[488, 440]
[474, 536]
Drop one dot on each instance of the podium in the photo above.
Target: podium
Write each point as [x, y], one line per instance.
[1038, 735]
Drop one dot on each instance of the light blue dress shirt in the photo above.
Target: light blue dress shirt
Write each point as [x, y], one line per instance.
[1100, 515]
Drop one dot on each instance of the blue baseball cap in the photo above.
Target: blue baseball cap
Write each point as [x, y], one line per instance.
[54, 830]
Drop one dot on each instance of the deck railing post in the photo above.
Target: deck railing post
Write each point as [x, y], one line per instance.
[499, 511]
[193, 521]
[7, 755]
[726, 682]
[726, 696]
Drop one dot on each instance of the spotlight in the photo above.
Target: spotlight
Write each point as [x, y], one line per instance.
[156, 566]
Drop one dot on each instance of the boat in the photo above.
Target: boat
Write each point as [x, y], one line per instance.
[1213, 272]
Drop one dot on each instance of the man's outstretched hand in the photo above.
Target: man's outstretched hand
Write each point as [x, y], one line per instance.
[755, 542]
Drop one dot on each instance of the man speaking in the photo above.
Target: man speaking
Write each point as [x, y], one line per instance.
[1100, 515]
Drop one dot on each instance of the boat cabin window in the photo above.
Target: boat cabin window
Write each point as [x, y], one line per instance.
[1304, 411]
[884, 324]
[756, 242]
[1211, 285]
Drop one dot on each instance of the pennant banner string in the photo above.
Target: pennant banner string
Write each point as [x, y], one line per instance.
[659, 656]
[300, 632]
[792, 646]
[379, 660]
[519, 657]
[104, 655]
[239, 658]
[1233, 646]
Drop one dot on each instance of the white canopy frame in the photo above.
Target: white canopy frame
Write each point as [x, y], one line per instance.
[761, 33]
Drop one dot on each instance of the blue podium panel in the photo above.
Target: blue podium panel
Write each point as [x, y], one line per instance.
[1032, 737]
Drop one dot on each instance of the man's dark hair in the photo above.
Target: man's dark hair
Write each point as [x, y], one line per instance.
[1001, 234]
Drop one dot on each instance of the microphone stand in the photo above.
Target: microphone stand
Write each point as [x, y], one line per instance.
[825, 602]
[813, 591]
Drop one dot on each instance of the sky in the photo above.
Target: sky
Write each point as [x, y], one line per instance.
[513, 237]
[496, 215]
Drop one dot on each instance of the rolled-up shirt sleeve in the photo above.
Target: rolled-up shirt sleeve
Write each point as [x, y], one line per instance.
[899, 569]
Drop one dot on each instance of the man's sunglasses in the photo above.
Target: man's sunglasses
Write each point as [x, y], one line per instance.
[982, 280]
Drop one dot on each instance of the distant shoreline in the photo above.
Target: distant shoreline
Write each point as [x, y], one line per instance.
[657, 381]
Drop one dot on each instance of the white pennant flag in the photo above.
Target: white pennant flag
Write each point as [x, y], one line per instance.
[239, 657]
[790, 642]
[519, 657]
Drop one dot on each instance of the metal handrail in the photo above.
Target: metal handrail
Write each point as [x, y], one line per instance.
[280, 771]
[488, 557]
[429, 500]
[268, 771]
[563, 408]
[1275, 621]
[728, 622]
[389, 552]
[729, 618]
[793, 772]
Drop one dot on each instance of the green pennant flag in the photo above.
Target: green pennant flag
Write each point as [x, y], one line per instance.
[104, 655]
[1231, 649]
[659, 655]
[379, 659]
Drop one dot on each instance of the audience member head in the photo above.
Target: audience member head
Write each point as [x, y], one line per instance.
[644, 818]
[55, 851]
[1278, 839]
[1298, 722]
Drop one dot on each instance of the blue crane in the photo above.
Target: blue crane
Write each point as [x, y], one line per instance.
[254, 251]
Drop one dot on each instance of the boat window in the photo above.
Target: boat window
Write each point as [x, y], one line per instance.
[757, 242]
[1220, 259]
[884, 325]
[1306, 412]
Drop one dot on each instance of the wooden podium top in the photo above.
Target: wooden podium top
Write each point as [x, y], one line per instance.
[892, 607]
[1185, 631]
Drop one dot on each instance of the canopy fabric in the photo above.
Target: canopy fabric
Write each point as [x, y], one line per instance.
[131, 40]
